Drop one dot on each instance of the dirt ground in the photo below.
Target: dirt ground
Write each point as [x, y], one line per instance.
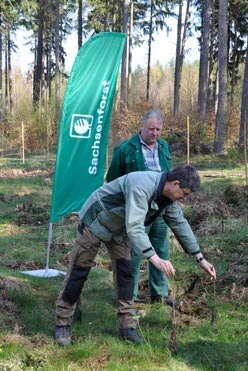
[14, 173]
[8, 308]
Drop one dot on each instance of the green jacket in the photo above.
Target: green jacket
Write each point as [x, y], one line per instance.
[127, 204]
[128, 157]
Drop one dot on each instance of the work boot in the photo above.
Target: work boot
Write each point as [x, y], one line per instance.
[172, 302]
[130, 334]
[168, 300]
[139, 300]
[63, 335]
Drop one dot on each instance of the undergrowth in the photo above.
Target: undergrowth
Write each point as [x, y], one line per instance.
[208, 330]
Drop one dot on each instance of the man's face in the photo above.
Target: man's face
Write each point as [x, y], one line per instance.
[174, 192]
[151, 131]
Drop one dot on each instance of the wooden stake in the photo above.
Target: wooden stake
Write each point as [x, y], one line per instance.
[23, 144]
[48, 136]
[2, 145]
[173, 338]
[245, 151]
[187, 139]
[214, 311]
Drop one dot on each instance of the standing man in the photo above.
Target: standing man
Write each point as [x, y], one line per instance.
[146, 151]
[117, 213]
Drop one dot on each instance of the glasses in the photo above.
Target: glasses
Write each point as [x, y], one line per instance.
[186, 192]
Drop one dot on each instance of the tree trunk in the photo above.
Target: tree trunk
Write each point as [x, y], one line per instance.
[181, 59]
[1, 71]
[130, 51]
[244, 104]
[6, 75]
[211, 73]
[221, 116]
[38, 68]
[234, 63]
[149, 55]
[185, 29]
[10, 77]
[106, 17]
[80, 24]
[114, 16]
[57, 71]
[123, 101]
[204, 58]
[48, 79]
[177, 69]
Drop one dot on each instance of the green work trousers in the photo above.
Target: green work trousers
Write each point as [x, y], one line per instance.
[158, 233]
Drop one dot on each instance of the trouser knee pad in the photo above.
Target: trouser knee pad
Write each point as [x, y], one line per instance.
[75, 284]
[125, 279]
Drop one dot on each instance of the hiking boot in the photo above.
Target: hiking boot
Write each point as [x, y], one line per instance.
[139, 300]
[168, 300]
[130, 334]
[172, 302]
[63, 335]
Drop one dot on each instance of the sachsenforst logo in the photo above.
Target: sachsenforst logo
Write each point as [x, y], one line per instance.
[81, 126]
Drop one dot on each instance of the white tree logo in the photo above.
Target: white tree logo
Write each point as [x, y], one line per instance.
[81, 126]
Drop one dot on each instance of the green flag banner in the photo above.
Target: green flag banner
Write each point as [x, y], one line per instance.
[84, 124]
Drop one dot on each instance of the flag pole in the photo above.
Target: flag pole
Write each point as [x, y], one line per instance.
[47, 272]
[84, 128]
[49, 242]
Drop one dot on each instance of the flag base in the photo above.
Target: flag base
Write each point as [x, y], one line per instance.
[44, 273]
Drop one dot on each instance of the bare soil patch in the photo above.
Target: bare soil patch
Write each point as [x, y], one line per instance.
[21, 173]
[8, 309]
[25, 265]
[221, 173]
[203, 208]
[25, 218]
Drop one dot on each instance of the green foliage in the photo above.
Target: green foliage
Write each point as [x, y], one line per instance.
[100, 16]
[235, 154]
[105, 16]
[237, 195]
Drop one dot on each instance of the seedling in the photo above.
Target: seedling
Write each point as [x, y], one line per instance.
[213, 309]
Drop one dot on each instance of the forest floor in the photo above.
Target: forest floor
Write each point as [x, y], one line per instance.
[207, 331]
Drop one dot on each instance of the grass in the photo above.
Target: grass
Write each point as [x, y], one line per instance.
[27, 303]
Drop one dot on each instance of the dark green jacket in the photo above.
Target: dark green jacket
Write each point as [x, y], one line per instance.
[128, 157]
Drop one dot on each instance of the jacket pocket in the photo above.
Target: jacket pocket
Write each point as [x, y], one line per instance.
[100, 231]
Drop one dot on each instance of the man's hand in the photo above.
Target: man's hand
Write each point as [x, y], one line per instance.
[209, 268]
[163, 265]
